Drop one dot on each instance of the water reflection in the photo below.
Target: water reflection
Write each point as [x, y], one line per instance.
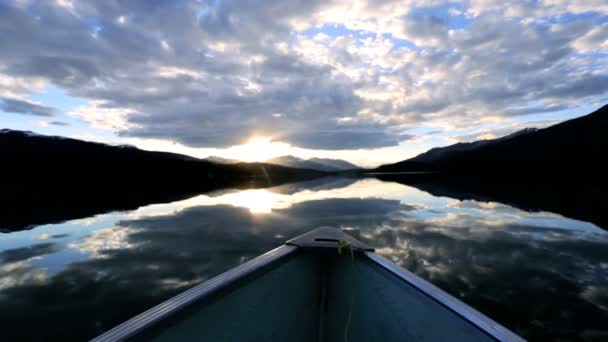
[540, 274]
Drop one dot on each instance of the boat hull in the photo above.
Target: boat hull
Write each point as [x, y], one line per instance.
[307, 291]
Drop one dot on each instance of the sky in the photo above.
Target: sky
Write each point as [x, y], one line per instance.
[370, 82]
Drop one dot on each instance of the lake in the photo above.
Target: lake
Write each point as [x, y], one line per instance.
[543, 275]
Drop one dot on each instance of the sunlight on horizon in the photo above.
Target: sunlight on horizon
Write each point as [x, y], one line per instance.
[259, 149]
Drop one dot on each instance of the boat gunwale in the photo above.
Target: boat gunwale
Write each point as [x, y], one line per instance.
[172, 305]
[469, 314]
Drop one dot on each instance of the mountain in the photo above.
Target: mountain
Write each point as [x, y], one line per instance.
[574, 147]
[51, 179]
[24, 151]
[220, 160]
[440, 153]
[320, 164]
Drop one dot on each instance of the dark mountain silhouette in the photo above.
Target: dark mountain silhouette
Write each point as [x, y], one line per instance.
[320, 164]
[52, 179]
[559, 169]
[574, 147]
[437, 155]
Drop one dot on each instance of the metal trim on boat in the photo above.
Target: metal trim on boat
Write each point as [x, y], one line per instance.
[157, 313]
[473, 316]
[319, 238]
[327, 237]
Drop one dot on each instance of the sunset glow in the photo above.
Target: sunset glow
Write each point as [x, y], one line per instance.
[258, 149]
[453, 151]
[370, 83]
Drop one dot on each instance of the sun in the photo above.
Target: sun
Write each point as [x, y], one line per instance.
[259, 149]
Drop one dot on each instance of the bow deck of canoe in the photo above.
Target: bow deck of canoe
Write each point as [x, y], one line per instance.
[306, 291]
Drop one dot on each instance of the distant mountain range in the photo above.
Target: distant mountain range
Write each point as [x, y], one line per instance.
[220, 160]
[53, 176]
[320, 164]
[24, 152]
[574, 147]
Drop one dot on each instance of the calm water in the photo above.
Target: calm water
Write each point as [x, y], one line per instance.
[540, 274]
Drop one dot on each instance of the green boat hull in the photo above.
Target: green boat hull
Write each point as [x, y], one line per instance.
[307, 291]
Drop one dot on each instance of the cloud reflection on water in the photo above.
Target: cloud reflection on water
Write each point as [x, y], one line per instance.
[538, 273]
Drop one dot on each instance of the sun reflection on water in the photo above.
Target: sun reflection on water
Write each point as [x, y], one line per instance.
[259, 201]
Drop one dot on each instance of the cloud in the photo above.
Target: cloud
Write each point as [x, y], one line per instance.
[59, 123]
[343, 139]
[17, 106]
[101, 115]
[477, 251]
[426, 30]
[20, 273]
[25, 253]
[595, 40]
[477, 261]
[43, 123]
[474, 251]
[215, 74]
[102, 241]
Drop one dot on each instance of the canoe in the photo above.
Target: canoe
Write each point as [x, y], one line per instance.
[320, 286]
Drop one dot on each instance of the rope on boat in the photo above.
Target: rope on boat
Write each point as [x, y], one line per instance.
[342, 246]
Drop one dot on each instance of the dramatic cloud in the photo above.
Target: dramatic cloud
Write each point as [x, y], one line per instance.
[24, 107]
[315, 74]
